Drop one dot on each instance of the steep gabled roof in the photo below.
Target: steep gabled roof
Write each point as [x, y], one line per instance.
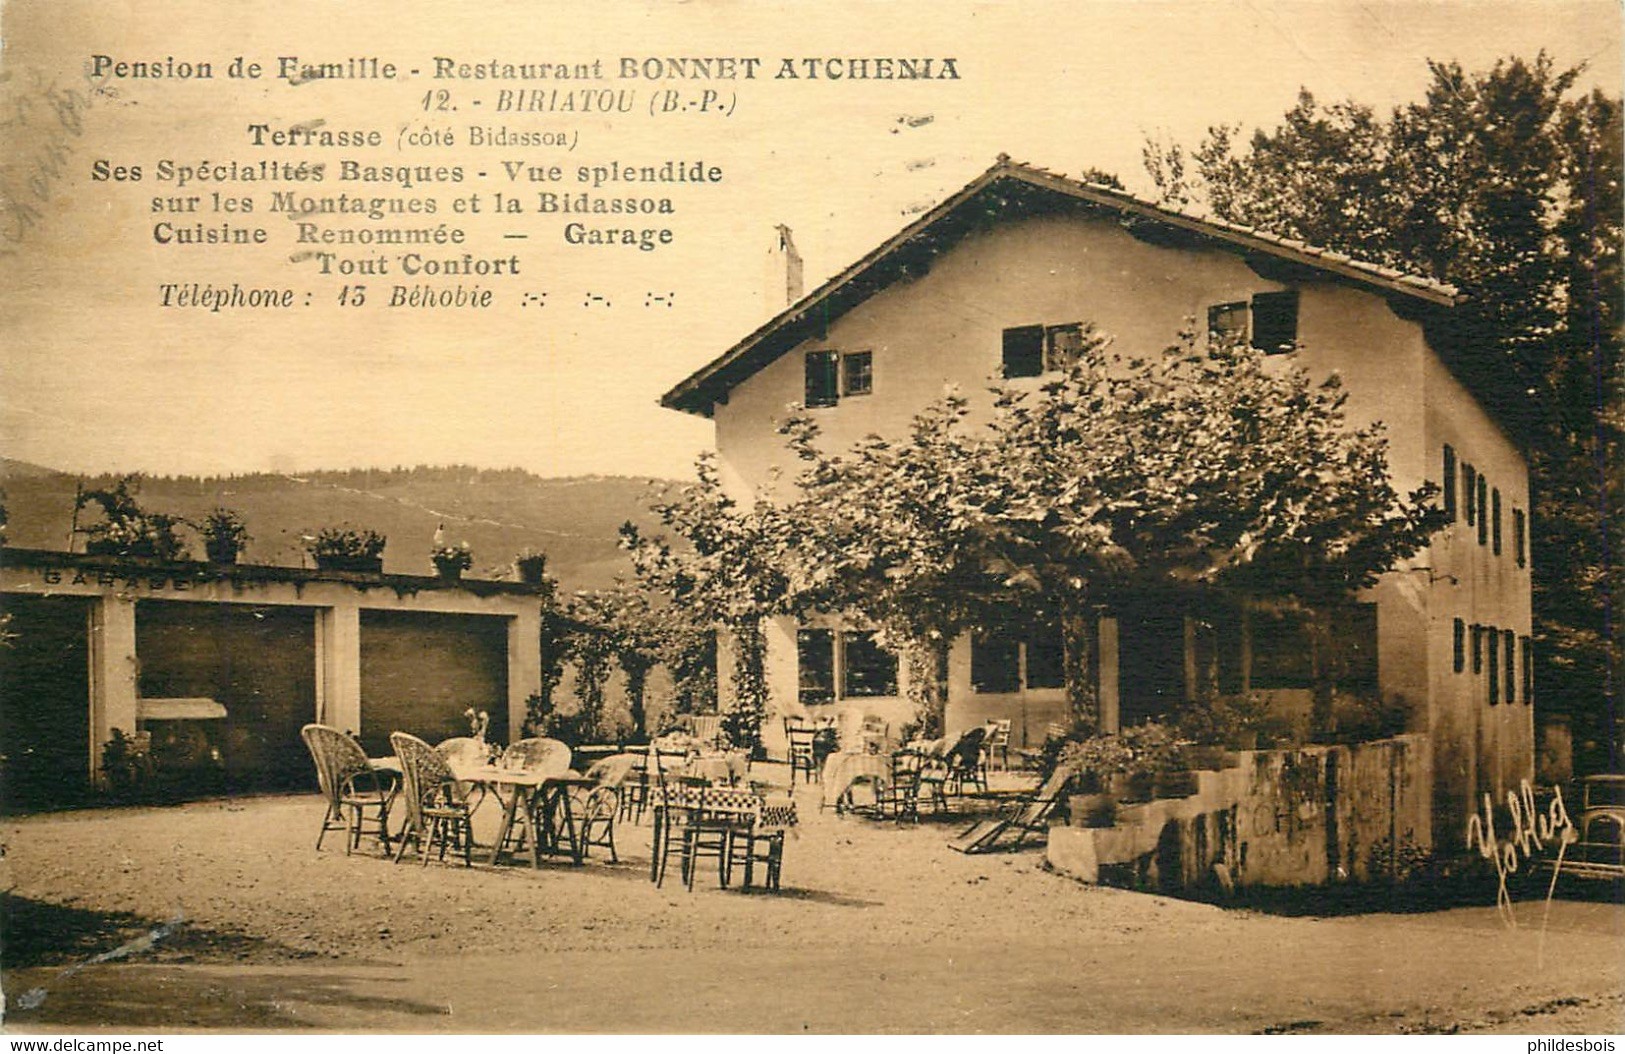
[1011, 185]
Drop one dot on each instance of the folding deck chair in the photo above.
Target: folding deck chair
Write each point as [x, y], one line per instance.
[1026, 815]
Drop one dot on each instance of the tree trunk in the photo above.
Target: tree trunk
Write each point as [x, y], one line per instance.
[1321, 720]
[925, 657]
[637, 679]
[1079, 637]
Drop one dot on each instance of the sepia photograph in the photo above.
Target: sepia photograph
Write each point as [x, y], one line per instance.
[847, 518]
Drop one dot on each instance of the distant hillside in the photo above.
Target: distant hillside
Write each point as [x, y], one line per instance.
[498, 512]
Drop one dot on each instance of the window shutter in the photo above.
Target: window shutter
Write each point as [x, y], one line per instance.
[1519, 536]
[1509, 641]
[1493, 648]
[1483, 509]
[1469, 482]
[1495, 520]
[1275, 321]
[1458, 645]
[1450, 482]
[1024, 351]
[823, 378]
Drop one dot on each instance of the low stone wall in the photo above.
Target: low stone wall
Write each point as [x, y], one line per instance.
[1279, 818]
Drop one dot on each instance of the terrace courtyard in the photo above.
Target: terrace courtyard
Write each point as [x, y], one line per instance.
[220, 915]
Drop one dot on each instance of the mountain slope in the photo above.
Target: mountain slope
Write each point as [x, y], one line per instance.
[498, 512]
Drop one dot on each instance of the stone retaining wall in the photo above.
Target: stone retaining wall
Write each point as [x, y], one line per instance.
[1280, 818]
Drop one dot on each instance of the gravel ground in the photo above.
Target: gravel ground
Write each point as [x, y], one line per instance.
[247, 892]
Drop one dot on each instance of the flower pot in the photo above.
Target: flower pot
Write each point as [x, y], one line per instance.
[1134, 786]
[532, 570]
[336, 562]
[448, 572]
[1092, 810]
[221, 551]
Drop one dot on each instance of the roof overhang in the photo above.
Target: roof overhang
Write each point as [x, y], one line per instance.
[1009, 188]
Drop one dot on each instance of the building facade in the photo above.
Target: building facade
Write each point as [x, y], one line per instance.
[220, 666]
[996, 281]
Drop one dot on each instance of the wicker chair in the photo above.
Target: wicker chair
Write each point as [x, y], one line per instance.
[358, 796]
[437, 808]
[596, 819]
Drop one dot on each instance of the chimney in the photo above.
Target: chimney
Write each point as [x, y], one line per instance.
[783, 270]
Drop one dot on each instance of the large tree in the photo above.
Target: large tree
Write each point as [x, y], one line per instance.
[1202, 466]
[1505, 182]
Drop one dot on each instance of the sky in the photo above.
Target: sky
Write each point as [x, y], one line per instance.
[96, 375]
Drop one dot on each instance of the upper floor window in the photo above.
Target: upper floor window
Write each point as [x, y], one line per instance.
[1269, 322]
[831, 374]
[1519, 535]
[1469, 483]
[1033, 350]
[858, 373]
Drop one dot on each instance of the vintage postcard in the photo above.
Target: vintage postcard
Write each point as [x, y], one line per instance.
[840, 517]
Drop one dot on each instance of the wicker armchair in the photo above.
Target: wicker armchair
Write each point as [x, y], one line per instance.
[437, 808]
[596, 819]
[358, 796]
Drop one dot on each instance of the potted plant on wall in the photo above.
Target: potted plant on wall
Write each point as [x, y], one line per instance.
[450, 561]
[1099, 761]
[531, 567]
[224, 535]
[1154, 756]
[347, 549]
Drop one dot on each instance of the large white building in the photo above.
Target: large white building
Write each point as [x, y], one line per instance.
[1005, 270]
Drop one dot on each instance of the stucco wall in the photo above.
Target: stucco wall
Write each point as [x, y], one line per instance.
[1480, 748]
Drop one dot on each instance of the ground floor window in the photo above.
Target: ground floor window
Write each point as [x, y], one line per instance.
[868, 669]
[815, 659]
[851, 661]
[1004, 658]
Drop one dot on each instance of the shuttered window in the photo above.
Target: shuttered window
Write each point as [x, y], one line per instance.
[823, 378]
[1509, 646]
[1495, 520]
[1449, 477]
[1275, 321]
